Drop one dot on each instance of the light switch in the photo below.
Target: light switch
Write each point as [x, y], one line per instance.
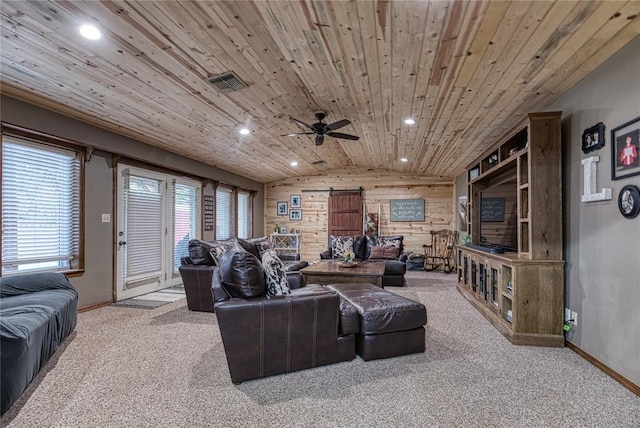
[106, 218]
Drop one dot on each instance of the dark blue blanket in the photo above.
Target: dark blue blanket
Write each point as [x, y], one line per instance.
[37, 312]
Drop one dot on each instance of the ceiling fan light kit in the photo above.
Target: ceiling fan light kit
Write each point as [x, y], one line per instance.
[321, 129]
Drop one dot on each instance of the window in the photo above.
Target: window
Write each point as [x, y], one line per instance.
[224, 225]
[244, 215]
[143, 208]
[41, 209]
[186, 219]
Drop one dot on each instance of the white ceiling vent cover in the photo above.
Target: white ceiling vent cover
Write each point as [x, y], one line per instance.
[226, 82]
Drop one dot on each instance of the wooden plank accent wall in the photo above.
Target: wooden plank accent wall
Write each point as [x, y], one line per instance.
[379, 187]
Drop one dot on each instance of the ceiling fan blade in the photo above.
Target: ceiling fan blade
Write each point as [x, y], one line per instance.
[301, 123]
[336, 125]
[319, 139]
[293, 134]
[343, 136]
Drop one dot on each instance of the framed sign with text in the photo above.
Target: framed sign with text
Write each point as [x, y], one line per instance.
[208, 213]
[406, 209]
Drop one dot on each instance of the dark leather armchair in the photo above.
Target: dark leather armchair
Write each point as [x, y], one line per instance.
[265, 336]
[197, 285]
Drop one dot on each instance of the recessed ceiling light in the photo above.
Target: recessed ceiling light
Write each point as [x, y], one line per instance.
[404, 160]
[90, 32]
[409, 121]
[294, 163]
[244, 131]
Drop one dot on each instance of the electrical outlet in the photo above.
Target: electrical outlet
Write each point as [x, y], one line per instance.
[106, 218]
[574, 317]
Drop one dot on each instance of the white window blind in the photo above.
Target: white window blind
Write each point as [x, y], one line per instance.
[40, 207]
[244, 215]
[223, 213]
[143, 200]
[186, 219]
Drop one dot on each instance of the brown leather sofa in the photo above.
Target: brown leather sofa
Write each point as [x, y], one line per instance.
[265, 336]
[313, 326]
[197, 273]
[394, 270]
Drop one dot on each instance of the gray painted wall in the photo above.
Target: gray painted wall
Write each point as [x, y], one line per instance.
[95, 286]
[602, 248]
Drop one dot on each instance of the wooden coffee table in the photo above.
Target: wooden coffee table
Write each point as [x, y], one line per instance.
[328, 272]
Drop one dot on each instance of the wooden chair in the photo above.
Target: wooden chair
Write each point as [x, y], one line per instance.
[439, 254]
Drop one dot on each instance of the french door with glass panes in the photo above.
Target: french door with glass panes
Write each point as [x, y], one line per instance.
[157, 216]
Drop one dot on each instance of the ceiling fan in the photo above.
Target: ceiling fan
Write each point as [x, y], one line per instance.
[322, 129]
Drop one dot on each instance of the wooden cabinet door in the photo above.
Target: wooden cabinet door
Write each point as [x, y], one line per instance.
[345, 213]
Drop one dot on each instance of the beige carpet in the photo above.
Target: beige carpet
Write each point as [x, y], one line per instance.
[165, 367]
[155, 299]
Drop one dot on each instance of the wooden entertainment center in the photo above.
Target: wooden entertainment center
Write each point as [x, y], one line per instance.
[518, 283]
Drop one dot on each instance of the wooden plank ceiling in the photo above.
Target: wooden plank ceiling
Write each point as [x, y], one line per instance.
[466, 71]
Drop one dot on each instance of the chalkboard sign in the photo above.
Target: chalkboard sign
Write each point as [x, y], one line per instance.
[492, 209]
[407, 209]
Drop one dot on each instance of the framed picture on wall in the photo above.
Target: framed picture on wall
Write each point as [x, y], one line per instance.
[295, 201]
[281, 208]
[295, 215]
[593, 138]
[625, 148]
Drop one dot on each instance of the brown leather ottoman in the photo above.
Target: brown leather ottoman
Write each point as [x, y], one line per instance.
[390, 325]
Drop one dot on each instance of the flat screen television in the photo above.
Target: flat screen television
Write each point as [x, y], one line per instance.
[498, 215]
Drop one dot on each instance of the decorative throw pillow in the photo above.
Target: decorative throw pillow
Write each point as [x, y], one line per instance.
[389, 241]
[241, 274]
[274, 274]
[340, 246]
[199, 252]
[218, 248]
[386, 253]
[262, 246]
[360, 246]
[251, 245]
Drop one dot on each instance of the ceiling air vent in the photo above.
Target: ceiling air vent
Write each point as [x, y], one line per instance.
[226, 82]
[319, 162]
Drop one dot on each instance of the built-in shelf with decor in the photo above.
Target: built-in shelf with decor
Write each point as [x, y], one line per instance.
[513, 271]
[286, 243]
